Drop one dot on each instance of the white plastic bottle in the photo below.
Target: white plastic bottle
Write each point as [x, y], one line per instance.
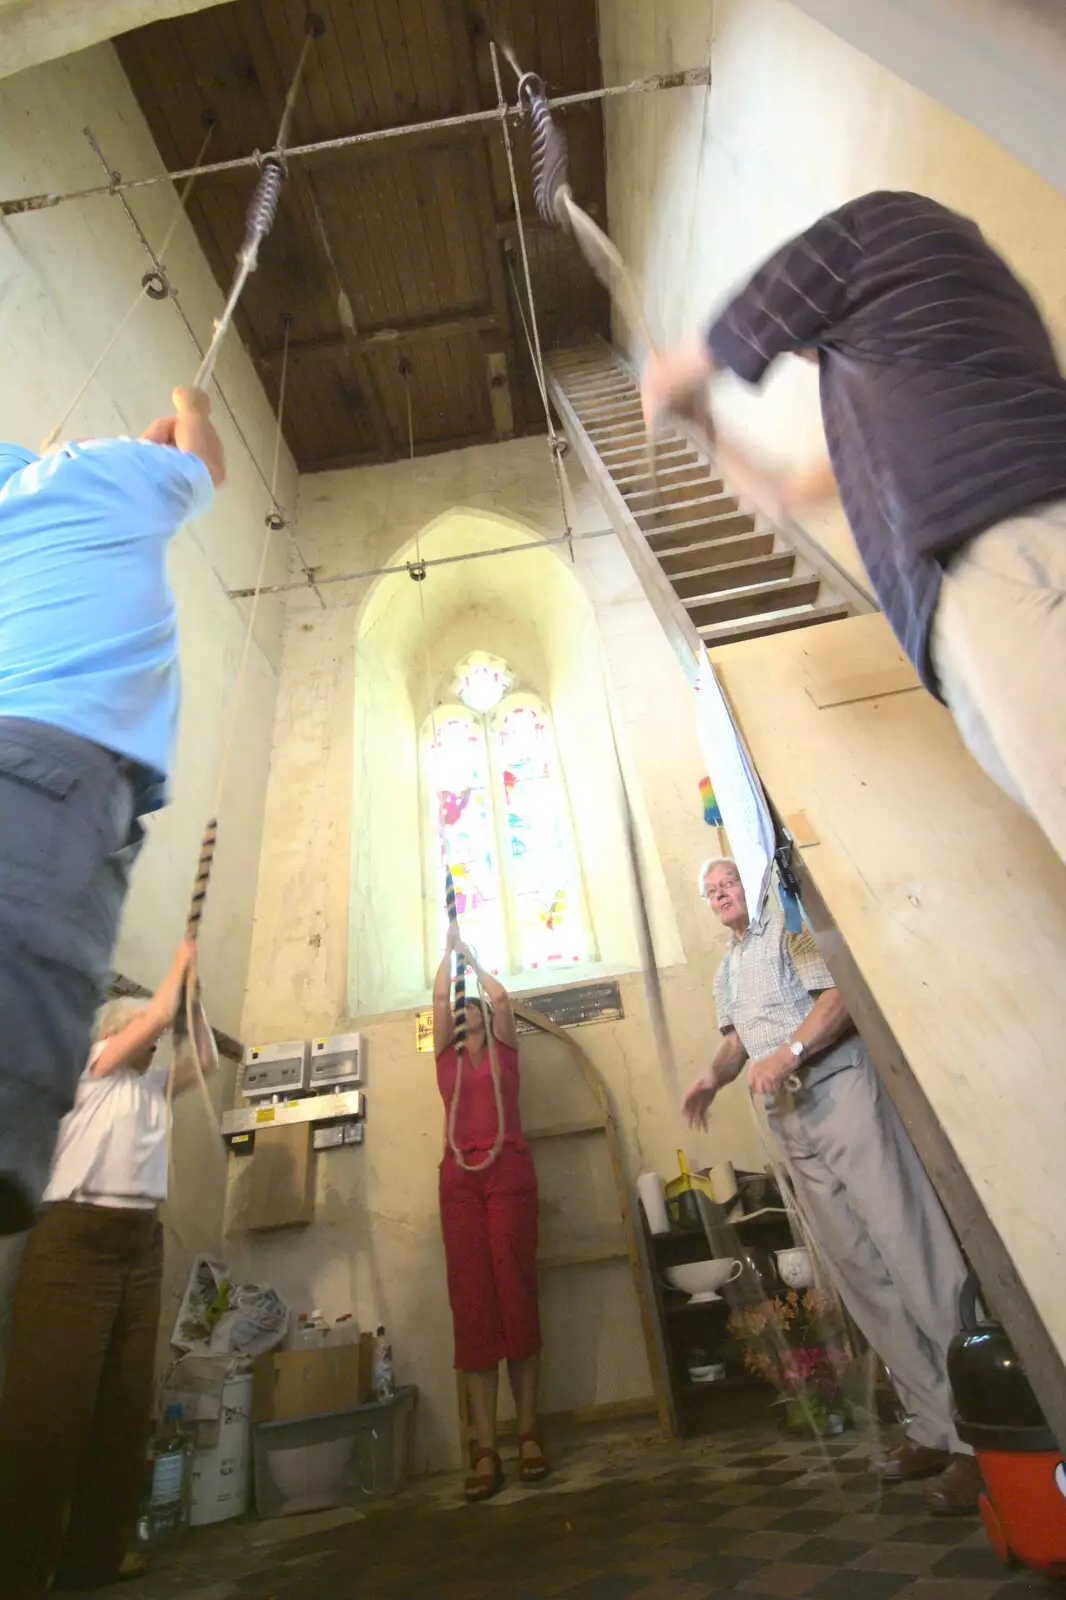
[311, 1333]
[384, 1376]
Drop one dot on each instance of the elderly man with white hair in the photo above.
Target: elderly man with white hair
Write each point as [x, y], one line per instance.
[75, 1412]
[858, 1179]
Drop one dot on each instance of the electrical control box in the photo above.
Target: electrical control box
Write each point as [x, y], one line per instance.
[271, 1069]
[338, 1062]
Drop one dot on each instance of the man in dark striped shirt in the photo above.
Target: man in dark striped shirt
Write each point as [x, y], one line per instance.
[945, 415]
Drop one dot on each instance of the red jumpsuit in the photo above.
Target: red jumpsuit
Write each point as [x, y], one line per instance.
[489, 1219]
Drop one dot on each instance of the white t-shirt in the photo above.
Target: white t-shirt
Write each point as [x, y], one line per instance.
[112, 1148]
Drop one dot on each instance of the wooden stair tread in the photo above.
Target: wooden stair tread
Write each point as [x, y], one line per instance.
[758, 601]
[673, 470]
[729, 633]
[677, 537]
[667, 494]
[682, 511]
[705, 556]
[694, 587]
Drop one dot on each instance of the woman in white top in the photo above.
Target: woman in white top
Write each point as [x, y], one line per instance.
[76, 1406]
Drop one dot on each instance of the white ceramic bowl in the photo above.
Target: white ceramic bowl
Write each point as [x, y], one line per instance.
[796, 1268]
[704, 1277]
[714, 1373]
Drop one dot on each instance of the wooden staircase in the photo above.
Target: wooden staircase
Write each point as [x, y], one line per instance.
[728, 574]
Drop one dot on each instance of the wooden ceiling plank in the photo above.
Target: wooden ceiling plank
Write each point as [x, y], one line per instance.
[449, 173]
[402, 285]
[359, 228]
[347, 53]
[418, 256]
[386, 25]
[302, 186]
[440, 43]
[437, 231]
[485, 211]
[413, 22]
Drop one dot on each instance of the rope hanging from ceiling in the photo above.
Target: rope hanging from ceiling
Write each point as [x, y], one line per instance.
[191, 1022]
[464, 958]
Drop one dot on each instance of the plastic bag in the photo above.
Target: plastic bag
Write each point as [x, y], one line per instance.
[218, 1317]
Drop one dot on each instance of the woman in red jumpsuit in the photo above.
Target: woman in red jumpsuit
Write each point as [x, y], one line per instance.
[489, 1222]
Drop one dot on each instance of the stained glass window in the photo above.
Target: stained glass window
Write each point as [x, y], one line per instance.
[545, 891]
[501, 821]
[481, 681]
[465, 834]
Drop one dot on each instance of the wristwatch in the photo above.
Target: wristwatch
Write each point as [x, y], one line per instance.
[797, 1050]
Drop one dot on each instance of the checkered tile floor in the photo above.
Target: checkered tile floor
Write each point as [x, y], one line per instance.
[748, 1514]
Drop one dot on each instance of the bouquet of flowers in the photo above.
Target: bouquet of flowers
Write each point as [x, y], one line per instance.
[798, 1344]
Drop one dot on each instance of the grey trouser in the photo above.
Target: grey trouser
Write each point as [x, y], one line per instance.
[999, 649]
[882, 1230]
[68, 839]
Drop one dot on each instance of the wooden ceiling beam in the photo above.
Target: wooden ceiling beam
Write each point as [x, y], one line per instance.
[425, 447]
[423, 331]
[301, 192]
[507, 227]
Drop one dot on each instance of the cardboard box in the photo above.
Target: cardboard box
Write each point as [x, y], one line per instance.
[281, 1190]
[309, 1383]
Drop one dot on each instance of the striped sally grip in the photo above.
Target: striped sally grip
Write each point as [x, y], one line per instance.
[460, 972]
[203, 877]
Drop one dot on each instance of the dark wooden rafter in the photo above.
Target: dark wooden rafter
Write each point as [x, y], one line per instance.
[405, 333]
[427, 447]
[300, 192]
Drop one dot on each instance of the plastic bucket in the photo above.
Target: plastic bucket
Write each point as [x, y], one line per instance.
[221, 1474]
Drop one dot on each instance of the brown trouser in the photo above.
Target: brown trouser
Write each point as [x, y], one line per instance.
[76, 1406]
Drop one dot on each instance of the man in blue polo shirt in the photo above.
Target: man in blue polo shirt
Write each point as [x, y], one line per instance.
[89, 694]
[945, 415]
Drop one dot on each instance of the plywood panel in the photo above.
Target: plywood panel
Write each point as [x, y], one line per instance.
[953, 906]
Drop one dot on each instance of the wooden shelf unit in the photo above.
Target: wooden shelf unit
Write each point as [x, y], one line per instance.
[687, 1326]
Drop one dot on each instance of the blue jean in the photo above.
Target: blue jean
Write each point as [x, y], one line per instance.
[68, 840]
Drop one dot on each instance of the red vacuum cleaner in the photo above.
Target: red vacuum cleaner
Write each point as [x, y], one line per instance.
[1024, 1508]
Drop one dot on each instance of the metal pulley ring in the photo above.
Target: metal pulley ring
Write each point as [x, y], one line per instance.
[155, 286]
[527, 79]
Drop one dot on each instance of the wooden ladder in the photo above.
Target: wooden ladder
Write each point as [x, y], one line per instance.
[729, 575]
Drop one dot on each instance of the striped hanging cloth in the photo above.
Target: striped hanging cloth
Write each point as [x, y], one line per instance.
[460, 971]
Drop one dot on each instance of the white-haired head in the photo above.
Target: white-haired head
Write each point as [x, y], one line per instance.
[709, 866]
[116, 1015]
[722, 888]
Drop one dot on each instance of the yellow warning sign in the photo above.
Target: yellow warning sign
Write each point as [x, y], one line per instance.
[424, 1032]
[265, 1114]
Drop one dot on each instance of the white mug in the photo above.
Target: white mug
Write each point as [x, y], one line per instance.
[653, 1198]
[795, 1267]
[724, 1183]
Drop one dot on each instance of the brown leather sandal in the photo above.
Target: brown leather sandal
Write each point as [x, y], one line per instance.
[477, 1487]
[532, 1468]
